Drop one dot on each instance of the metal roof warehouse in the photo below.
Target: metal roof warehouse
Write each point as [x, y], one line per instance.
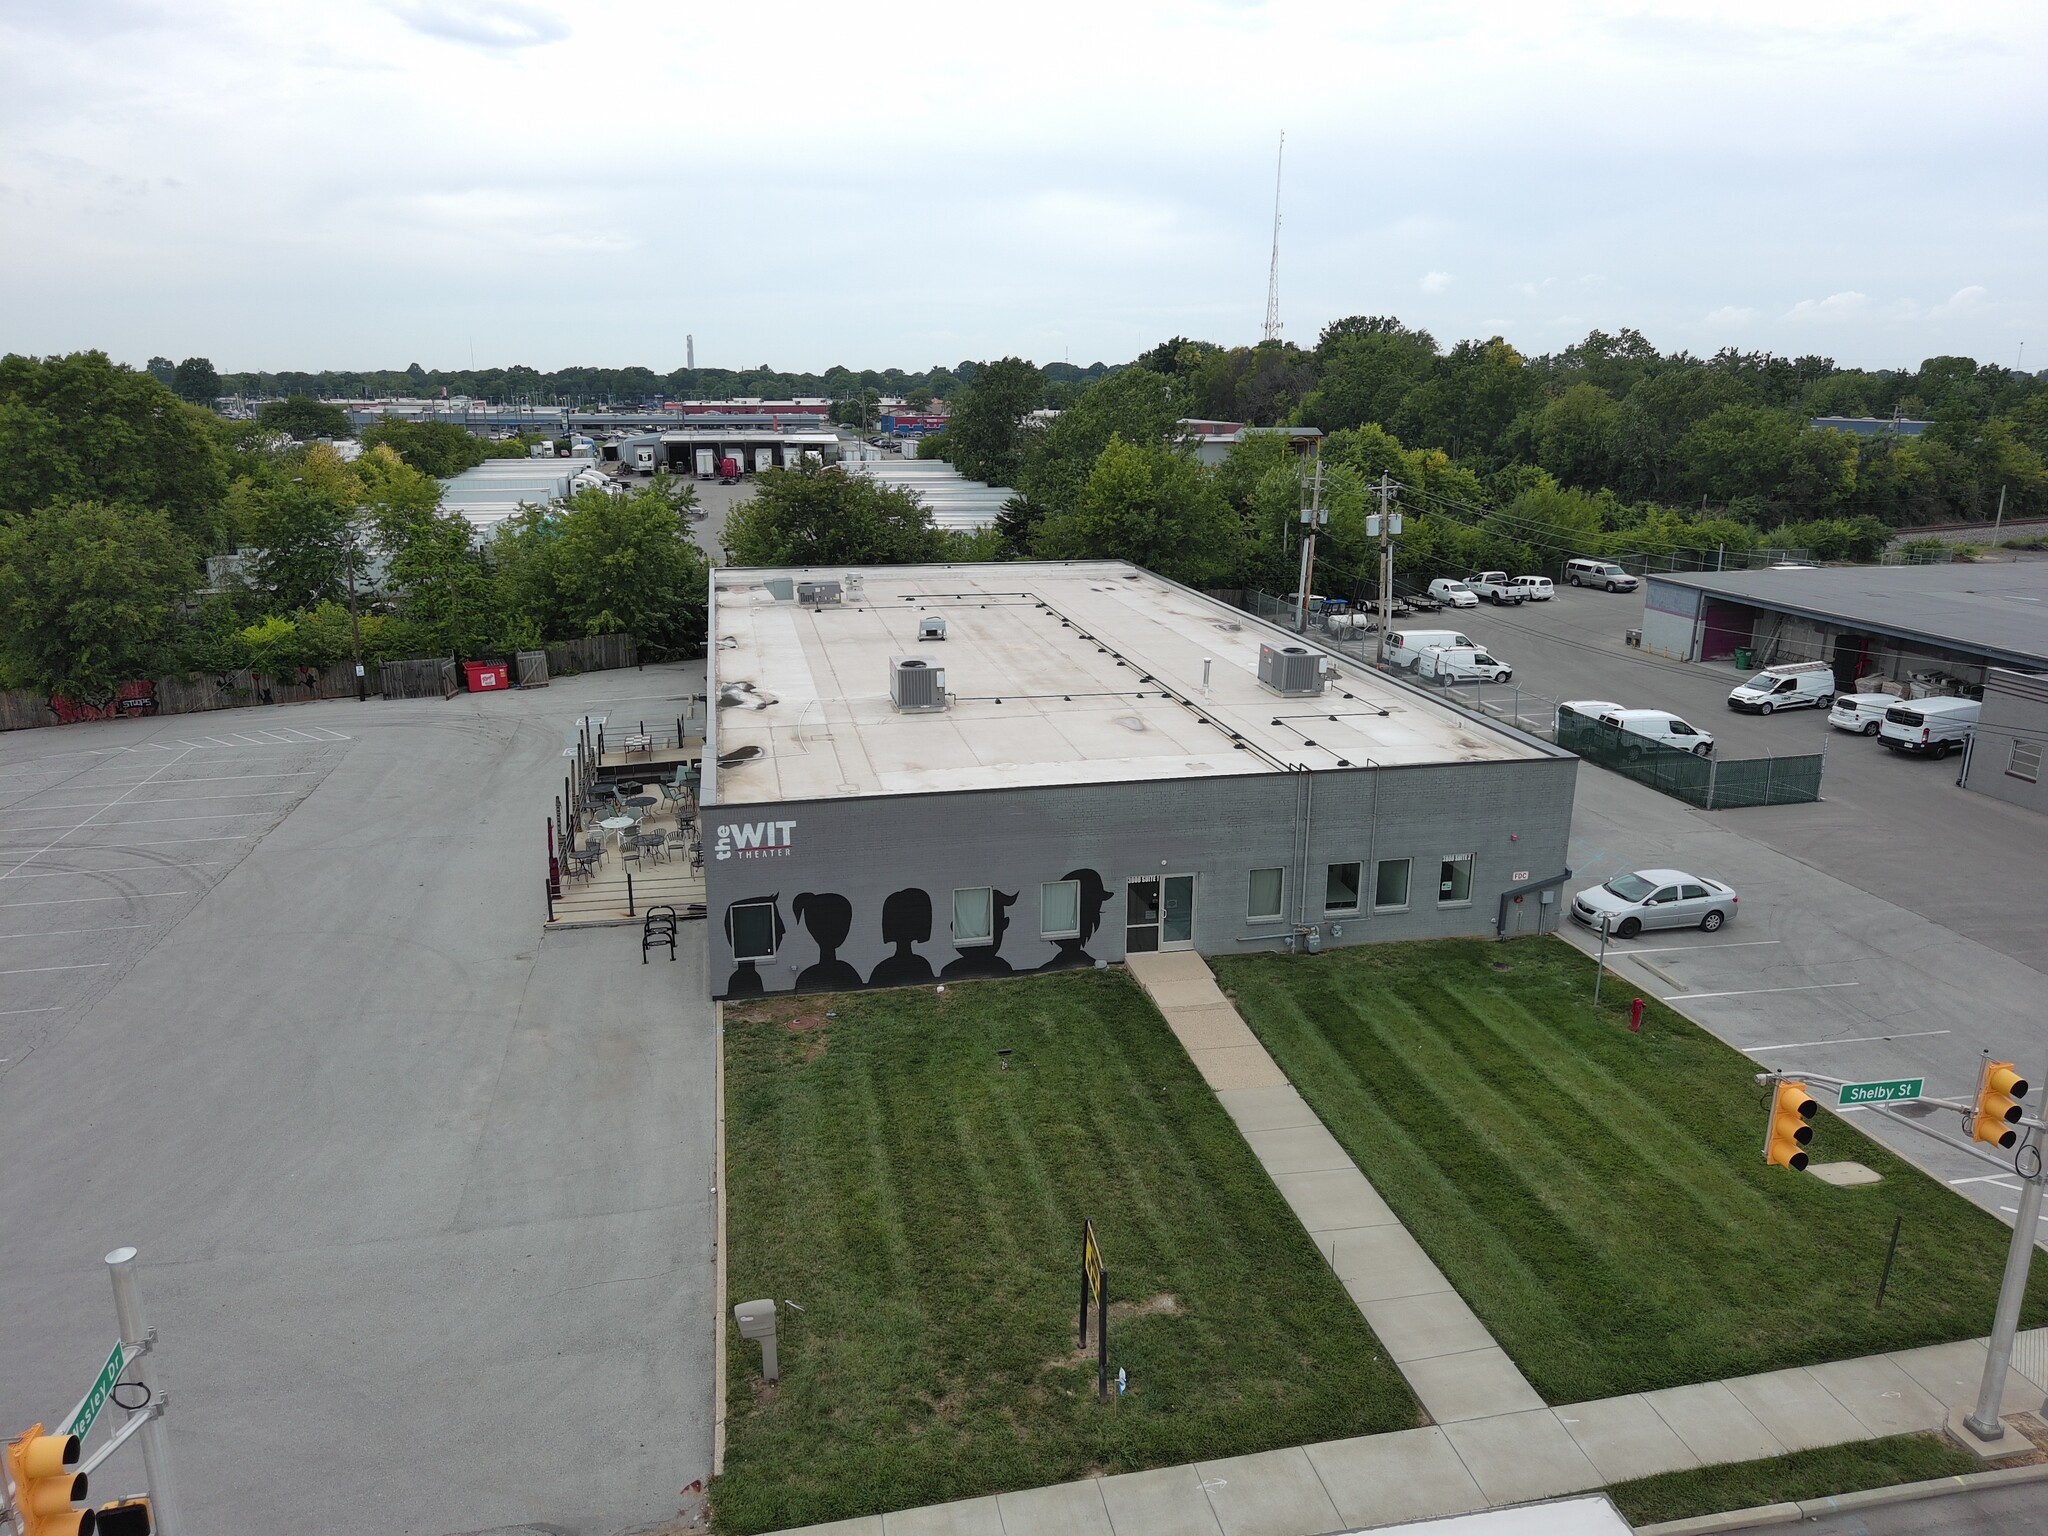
[1023, 766]
[1868, 620]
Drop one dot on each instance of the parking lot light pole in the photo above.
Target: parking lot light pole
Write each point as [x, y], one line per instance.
[355, 628]
[1601, 969]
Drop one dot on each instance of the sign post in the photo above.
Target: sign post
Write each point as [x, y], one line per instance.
[1095, 1284]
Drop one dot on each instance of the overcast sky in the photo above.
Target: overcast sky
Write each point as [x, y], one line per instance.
[280, 185]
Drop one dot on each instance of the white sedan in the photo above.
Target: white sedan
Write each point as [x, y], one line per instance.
[1655, 898]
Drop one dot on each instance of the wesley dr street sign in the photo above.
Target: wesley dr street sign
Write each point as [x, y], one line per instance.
[1882, 1093]
[96, 1398]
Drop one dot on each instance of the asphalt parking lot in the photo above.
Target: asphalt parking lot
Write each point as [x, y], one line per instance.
[423, 1195]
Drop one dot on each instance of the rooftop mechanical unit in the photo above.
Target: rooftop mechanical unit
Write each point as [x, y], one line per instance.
[1293, 671]
[932, 628]
[915, 684]
[814, 594]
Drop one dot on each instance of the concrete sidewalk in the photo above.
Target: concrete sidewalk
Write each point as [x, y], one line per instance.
[1451, 1362]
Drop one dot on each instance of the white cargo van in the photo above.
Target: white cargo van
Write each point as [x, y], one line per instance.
[1860, 713]
[1405, 646]
[1795, 685]
[1661, 725]
[1463, 664]
[1935, 727]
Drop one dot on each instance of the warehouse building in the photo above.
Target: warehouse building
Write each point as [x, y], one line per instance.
[921, 773]
[1917, 628]
[2003, 760]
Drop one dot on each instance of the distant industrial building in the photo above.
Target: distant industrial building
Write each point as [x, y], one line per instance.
[1213, 440]
[1872, 426]
[1896, 622]
[700, 451]
[953, 500]
[497, 488]
[924, 773]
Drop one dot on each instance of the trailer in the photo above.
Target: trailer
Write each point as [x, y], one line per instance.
[707, 463]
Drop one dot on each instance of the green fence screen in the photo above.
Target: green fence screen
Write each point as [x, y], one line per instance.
[1698, 781]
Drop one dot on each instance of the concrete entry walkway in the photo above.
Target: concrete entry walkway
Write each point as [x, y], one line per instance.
[1452, 1363]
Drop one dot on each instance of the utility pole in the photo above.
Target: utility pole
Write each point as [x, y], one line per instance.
[355, 628]
[1385, 523]
[2001, 512]
[1312, 517]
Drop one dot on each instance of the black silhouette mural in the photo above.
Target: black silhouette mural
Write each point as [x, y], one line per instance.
[1073, 952]
[906, 920]
[986, 959]
[828, 917]
[745, 981]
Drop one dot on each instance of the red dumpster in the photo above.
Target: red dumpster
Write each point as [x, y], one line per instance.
[486, 675]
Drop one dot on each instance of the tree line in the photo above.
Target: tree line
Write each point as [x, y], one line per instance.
[114, 493]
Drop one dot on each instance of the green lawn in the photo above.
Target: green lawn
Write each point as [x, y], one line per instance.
[1788, 1479]
[1600, 1198]
[924, 1206]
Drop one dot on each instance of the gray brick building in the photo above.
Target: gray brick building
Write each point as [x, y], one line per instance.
[917, 773]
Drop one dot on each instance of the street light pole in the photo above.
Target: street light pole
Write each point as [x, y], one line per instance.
[1983, 1419]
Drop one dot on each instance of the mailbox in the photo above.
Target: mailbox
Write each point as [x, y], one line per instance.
[757, 1322]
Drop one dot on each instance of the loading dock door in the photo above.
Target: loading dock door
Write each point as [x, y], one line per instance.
[1851, 652]
[1728, 625]
[764, 458]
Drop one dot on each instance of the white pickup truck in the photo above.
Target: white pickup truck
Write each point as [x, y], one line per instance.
[1495, 588]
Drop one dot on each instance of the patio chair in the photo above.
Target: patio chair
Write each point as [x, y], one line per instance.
[629, 850]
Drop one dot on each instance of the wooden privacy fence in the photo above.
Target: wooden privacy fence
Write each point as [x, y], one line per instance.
[21, 709]
[421, 678]
[593, 653]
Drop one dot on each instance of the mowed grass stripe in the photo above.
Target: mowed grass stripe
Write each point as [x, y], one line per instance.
[925, 1207]
[1599, 1197]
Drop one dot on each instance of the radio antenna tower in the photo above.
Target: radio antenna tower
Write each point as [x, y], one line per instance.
[689, 352]
[1273, 279]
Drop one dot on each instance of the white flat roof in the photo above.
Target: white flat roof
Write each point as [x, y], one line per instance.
[1058, 672]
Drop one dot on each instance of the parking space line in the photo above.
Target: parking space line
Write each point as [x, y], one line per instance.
[118, 869]
[88, 820]
[31, 970]
[72, 901]
[150, 821]
[1987, 1178]
[1819, 986]
[86, 805]
[8, 1013]
[228, 778]
[1686, 949]
[59, 933]
[155, 842]
[1797, 1045]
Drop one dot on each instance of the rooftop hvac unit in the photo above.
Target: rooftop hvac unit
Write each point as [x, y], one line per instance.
[780, 588]
[813, 594]
[856, 587]
[932, 628]
[915, 684]
[1294, 671]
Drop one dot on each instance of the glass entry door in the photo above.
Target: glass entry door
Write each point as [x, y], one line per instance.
[1159, 913]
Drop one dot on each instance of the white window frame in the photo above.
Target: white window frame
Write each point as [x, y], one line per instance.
[1279, 911]
[2012, 761]
[1059, 933]
[988, 895]
[1407, 886]
[747, 906]
[1357, 884]
[1466, 859]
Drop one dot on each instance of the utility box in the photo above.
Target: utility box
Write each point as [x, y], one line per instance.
[757, 1324]
[931, 627]
[814, 594]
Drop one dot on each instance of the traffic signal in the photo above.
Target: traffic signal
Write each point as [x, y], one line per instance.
[1999, 1092]
[45, 1486]
[1791, 1127]
[124, 1517]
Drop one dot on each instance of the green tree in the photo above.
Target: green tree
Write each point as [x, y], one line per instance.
[824, 517]
[1136, 405]
[1152, 506]
[196, 381]
[985, 432]
[1578, 435]
[303, 417]
[298, 518]
[91, 596]
[163, 370]
[604, 564]
[1367, 368]
[438, 448]
[79, 428]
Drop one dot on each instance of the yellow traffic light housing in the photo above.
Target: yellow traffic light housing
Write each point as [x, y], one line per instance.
[46, 1488]
[1791, 1126]
[124, 1517]
[1999, 1091]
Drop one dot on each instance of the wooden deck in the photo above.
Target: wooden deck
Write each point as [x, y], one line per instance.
[658, 762]
[603, 901]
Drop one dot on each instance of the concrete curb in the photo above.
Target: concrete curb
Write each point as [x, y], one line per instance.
[718, 1250]
[1813, 1509]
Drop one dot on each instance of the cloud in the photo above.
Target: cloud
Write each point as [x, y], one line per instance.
[503, 25]
[1964, 301]
[1435, 282]
[1731, 314]
[1848, 305]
